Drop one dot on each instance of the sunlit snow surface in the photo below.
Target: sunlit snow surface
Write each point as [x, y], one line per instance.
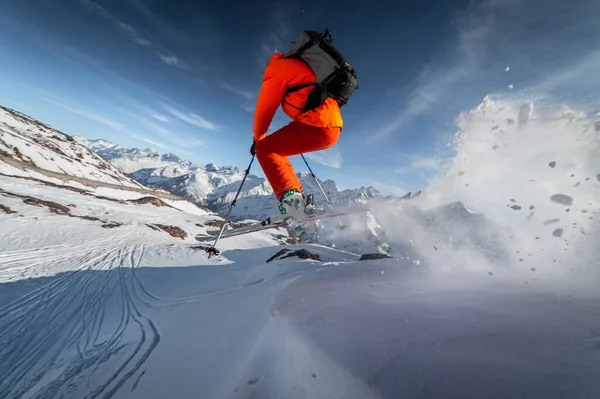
[479, 302]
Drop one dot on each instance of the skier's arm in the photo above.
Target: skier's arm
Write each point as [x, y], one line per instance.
[270, 96]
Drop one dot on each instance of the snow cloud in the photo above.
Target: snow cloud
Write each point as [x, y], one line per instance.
[531, 169]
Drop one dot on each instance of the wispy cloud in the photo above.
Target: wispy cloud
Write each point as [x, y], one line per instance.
[277, 39]
[437, 80]
[172, 137]
[124, 28]
[331, 157]
[132, 33]
[420, 164]
[388, 189]
[248, 95]
[150, 141]
[191, 118]
[172, 60]
[82, 112]
[159, 117]
[583, 70]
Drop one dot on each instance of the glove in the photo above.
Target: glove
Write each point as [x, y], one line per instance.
[252, 152]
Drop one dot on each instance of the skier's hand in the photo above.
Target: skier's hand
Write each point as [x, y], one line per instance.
[252, 152]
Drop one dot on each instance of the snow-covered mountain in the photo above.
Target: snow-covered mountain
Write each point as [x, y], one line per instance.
[216, 186]
[212, 185]
[29, 147]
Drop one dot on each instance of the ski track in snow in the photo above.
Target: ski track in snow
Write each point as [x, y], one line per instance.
[60, 328]
[85, 333]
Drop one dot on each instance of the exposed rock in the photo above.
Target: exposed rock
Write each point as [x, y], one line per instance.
[53, 206]
[301, 253]
[292, 238]
[93, 218]
[112, 225]
[278, 254]
[150, 200]
[374, 256]
[111, 199]
[72, 205]
[6, 209]
[174, 231]
[215, 223]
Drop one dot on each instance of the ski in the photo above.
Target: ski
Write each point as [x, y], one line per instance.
[260, 226]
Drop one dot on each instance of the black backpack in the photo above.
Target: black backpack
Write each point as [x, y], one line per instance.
[335, 77]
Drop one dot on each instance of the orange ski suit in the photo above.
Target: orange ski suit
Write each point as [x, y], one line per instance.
[313, 130]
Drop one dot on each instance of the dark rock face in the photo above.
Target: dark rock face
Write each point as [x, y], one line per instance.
[149, 200]
[374, 256]
[174, 231]
[301, 253]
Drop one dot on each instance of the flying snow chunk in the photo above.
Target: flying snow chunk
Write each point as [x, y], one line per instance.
[507, 69]
[511, 87]
[562, 199]
[525, 113]
[558, 233]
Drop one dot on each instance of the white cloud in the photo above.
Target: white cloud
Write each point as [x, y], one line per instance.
[584, 68]
[277, 40]
[84, 113]
[248, 95]
[172, 60]
[150, 141]
[173, 138]
[330, 157]
[437, 80]
[191, 118]
[388, 189]
[159, 117]
[124, 28]
[420, 164]
[432, 85]
[134, 35]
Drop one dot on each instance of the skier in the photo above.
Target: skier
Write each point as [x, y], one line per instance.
[311, 82]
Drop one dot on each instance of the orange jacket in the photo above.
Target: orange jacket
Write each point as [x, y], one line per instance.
[280, 74]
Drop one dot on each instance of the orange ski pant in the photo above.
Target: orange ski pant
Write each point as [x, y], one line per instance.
[293, 139]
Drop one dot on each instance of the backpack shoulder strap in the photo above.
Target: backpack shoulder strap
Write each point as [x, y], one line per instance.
[296, 88]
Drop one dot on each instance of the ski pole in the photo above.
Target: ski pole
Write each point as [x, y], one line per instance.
[321, 188]
[213, 250]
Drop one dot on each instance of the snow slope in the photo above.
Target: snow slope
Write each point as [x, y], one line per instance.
[480, 299]
[130, 312]
[40, 147]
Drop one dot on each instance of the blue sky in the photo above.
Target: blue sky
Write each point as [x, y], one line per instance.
[183, 77]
